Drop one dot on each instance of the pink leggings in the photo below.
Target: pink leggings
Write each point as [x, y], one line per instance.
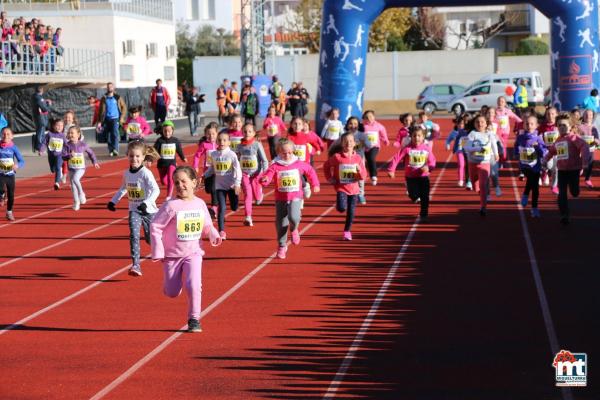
[188, 270]
[479, 174]
[166, 177]
[504, 140]
[460, 160]
[252, 190]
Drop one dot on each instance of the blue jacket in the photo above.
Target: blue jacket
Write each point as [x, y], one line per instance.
[456, 135]
[530, 149]
[10, 153]
[591, 103]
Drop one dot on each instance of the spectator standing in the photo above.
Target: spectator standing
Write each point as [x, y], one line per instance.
[40, 110]
[520, 97]
[303, 94]
[591, 102]
[111, 114]
[56, 42]
[159, 101]
[250, 107]
[93, 101]
[192, 100]
[293, 99]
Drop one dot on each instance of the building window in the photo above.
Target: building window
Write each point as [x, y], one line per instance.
[194, 10]
[126, 72]
[169, 73]
[128, 48]
[208, 9]
[151, 50]
[171, 51]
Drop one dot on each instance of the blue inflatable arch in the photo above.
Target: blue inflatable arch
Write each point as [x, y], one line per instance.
[344, 43]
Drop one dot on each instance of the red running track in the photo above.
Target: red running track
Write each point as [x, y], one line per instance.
[459, 317]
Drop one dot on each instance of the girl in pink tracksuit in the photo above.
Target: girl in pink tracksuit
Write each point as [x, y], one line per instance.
[589, 134]
[375, 134]
[274, 128]
[287, 172]
[253, 162]
[136, 127]
[176, 230]
[419, 161]
[235, 131]
[504, 118]
[403, 137]
[344, 170]
[205, 146]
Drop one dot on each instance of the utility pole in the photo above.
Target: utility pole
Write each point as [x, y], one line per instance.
[253, 37]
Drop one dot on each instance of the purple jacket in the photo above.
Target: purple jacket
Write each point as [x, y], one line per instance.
[78, 149]
[55, 142]
[529, 150]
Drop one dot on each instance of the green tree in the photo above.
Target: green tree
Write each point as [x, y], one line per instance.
[305, 23]
[532, 46]
[392, 23]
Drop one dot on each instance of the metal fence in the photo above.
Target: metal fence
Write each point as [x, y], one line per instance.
[161, 9]
[82, 64]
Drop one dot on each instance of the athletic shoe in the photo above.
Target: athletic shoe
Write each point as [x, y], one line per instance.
[565, 220]
[63, 179]
[76, 206]
[302, 204]
[115, 153]
[82, 198]
[347, 235]
[498, 191]
[56, 186]
[589, 184]
[223, 235]
[362, 199]
[461, 184]
[135, 270]
[212, 212]
[546, 180]
[10, 216]
[521, 176]
[295, 237]
[482, 211]
[469, 185]
[555, 189]
[374, 180]
[535, 213]
[281, 251]
[248, 221]
[111, 154]
[524, 200]
[194, 326]
[417, 200]
[540, 182]
[307, 192]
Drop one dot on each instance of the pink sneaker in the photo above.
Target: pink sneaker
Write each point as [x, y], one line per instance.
[296, 237]
[555, 189]
[223, 235]
[281, 251]
[347, 235]
[589, 183]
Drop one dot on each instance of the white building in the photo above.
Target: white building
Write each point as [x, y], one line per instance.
[218, 13]
[463, 23]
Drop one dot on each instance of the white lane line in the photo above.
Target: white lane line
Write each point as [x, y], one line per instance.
[143, 361]
[539, 286]
[364, 328]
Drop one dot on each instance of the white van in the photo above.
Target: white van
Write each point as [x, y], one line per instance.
[535, 86]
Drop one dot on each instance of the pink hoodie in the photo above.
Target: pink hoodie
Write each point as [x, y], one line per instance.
[139, 127]
[571, 151]
[274, 126]
[346, 170]
[503, 118]
[402, 133]
[204, 149]
[375, 134]
[287, 177]
[178, 227]
[418, 157]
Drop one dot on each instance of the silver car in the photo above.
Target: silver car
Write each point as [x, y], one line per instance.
[436, 97]
[481, 95]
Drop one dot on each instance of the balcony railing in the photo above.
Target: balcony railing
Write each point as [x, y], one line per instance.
[76, 64]
[161, 9]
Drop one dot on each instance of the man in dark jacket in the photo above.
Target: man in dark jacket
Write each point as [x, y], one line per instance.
[192, 107]
[40, 109]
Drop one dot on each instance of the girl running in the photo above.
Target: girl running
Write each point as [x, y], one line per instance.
[69, 120]
[253, 162]
[375, 134]
[142, 191]
[530, 149]
[287, 171]
[419, 163]
[235, 131]
[206, 146]
[274, 128]
[55, 141]
[344, 170]
[549, 132]
[459, 137]
[333, 127]
[481, 147]
[167, 146]
[589, 134]
[403, 137]
[73, 153]
[8, 168]
[354, 127]
[227, 173]
[313, 137]
[177, 230]
[492, 127]
[504, 118]
[432, 130]
[136, 127]
[302, 146]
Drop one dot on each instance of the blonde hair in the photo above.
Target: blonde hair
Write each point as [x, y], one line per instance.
[283, 142]
[76, 129]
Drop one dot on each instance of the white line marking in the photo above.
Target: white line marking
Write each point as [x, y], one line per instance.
[143, 361]
[364, 328]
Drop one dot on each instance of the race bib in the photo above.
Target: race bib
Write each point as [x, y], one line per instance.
[76, 161]
[527, 155]
[288, 181]
[167, 151]
[135, 192]
[222, 165]
[484, 152]
[208, 162]
[55, 144]
[273, 130]
[249, 163]
[417, 158]
[348, 173]
[562, 151]
[462, 142]
[589, 139]
[300, 151]
[503, 122]
[189, 225]
[6, 164]
[235, 141]
[372, 138]
[333, 132]
[133, 128]
[550, 137]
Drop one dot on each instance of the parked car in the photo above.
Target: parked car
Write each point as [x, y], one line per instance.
[482, 95]
[436, 97]
[535, 86]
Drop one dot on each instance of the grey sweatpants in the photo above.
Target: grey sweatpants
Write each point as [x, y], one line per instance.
[287, 214]
[75, 176]
[137, 221]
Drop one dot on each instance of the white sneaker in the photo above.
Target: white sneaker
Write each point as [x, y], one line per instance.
[76, 206]
[10, 216]
[307, 192]
[248, 221]
[302, 204]
[498, 191]
[82, 198]
[63, 179]
[546, 180]
[374, 180]
[461, 184]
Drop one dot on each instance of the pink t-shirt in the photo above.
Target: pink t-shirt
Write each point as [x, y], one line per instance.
[375, 133]
[416, 157]
[288, 178]
[346, 170]
[274, 126]
[204, 149]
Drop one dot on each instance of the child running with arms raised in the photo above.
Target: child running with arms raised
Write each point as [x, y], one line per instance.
[142, 191]
[287, 171]
[253, 162]
[530, 149]
[73, 153]
[168, 146]
[8, 168]
[419, 161]
[177, 230]
[344, 170]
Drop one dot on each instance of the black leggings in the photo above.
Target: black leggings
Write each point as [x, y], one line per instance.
[532, 185]
[588, 170]
[567, 180]
[346, 203]
[418, 188]
[371, 158]
[272, 144]
[233, 204]
[9, 182]
[209, 188]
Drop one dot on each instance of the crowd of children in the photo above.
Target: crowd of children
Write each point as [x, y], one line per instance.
[233, 161]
